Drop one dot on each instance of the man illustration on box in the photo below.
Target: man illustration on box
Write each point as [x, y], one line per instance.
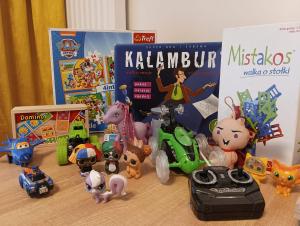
[178, 93]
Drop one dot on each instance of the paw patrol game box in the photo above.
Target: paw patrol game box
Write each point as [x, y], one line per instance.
[260, 73]
[83, 67]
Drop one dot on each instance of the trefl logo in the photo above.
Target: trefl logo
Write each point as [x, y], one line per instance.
[68, 48]
[143, 38]
[240, 56]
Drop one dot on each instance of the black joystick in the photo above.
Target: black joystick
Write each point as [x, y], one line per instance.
[219, 193]
[239, 176]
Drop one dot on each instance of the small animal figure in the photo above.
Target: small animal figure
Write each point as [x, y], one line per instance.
[134, 157]
[231, 135]
[285, 177]
[119, 115]
[95, 184]
[256, 166]
[112, 152]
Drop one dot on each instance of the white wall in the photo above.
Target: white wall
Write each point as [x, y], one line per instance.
[200, 20]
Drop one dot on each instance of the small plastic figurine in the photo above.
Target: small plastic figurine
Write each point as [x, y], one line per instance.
[85, 159]
[119, 114]
[19, 151]
[73, 155]
[95, 184]
[112, 152]
[134, 157]
[285, 177]
[230, 135]
[257, 167]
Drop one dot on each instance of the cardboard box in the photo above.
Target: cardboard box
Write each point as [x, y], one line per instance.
[265, 59]
[83, 67]
[46, 121]
[198, 63]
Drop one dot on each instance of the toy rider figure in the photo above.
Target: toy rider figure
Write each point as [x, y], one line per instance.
[178, 93]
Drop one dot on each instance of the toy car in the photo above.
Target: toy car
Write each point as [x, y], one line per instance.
[35, 181]
[175, 148]
[77, 135]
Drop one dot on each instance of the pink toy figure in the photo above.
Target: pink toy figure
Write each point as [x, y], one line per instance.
[230, 135]
[119, 115]
[95, 184]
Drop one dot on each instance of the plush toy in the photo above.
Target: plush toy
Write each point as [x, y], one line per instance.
[230, 136]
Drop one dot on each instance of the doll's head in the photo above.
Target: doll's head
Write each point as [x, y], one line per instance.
[231, 134]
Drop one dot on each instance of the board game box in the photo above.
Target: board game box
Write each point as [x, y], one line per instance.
[260, 72]
[46, 122]
[151, 75]
[83, 67]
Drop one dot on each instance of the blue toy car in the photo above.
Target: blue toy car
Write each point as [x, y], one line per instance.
[35, 181]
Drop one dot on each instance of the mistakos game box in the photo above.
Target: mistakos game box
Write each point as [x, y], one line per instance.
[46, 122]
[83, 67]
[260, 71]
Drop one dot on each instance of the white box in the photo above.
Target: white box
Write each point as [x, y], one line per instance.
[255, 58]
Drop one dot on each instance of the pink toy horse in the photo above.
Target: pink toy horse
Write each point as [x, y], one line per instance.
[119, 115]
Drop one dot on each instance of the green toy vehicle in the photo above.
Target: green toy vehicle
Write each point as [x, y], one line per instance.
[175, 148]
[77, 135]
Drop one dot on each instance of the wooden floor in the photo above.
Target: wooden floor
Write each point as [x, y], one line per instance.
[147, 203]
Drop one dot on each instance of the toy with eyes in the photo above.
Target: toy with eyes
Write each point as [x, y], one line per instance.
[256, 166]
[112, 152]
[134, 157]
[285, 177]
[230, 135]
[85, 159]
[95, 184]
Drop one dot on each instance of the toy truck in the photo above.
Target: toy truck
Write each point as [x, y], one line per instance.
[77, 135]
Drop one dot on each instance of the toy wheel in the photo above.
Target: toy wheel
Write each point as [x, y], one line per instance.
[153, 142]
[31, 195]
[62, 152]
[162, 167]
[95, 141]
[21, 182]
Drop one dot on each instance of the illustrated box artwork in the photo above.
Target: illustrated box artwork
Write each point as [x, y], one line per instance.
[151, 75]
[46, 122]
[260, 72]
[83, 68]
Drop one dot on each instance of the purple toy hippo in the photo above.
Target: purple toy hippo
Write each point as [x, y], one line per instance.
[119, 115]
